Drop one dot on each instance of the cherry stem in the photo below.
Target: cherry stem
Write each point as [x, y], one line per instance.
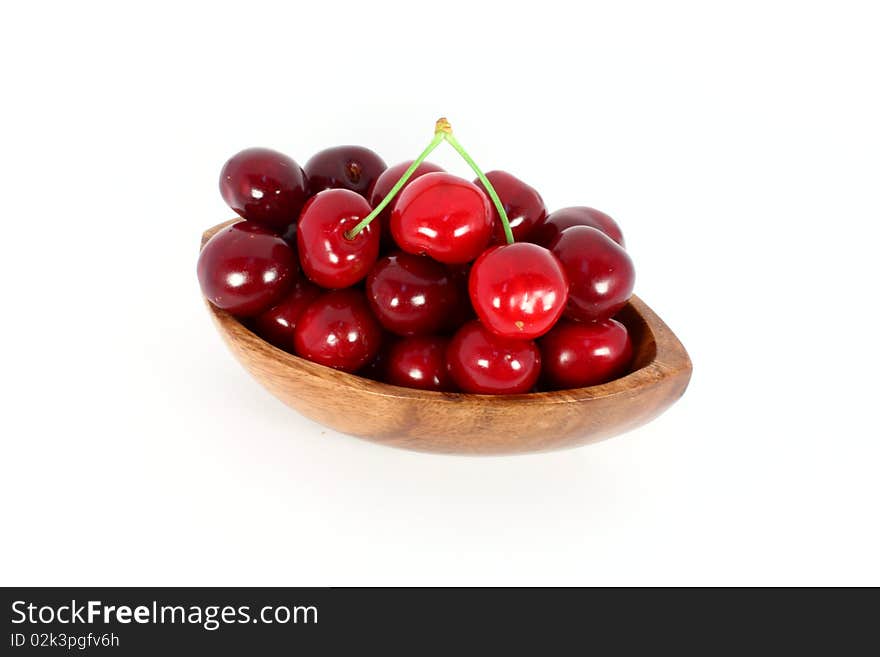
[442, 131]
[363, 223]
[505, 222]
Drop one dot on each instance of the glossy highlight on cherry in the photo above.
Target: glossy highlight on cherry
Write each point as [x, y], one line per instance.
[577, 355]
[412, 295]
[481, 362]
[337, 330]
[329, 257]
[442, 216]
[246, 268]
[264, 186]
[518, 290]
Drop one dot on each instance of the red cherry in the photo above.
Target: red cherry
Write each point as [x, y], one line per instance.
[575, 355]
[419, 362]
[443, 216]
[277, 325]
[518, 290]
[600, 273]
[522, 203]
[411, 295]
[328, 257]
[264, 186]
[481, 362]
[556, 222]
[344, 167]
[245, 269]
[337, 330]
[383, 185]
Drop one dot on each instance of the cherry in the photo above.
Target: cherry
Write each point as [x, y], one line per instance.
[344, 167]
[245, 269]
[264, 186]
[518, 290]
[383, 185]
[412, 295]
[575, 355]
[337, 330]
[328, 257]
[419, 362]
[481, 362]
[556, 222]
[277, 325]
[522, 203]
[443, 216]
[600, 273]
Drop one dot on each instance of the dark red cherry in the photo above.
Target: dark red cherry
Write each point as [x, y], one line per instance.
[277, 325]
[481, 362]
[419, 362]
[344, 167]
[383, 186]
[556, 222]
[600, 273]
[575, 355]
[522, 203]
[327, 256]
[412, 295]
[245, 269]
[518, 290]
[338, 330]
[443, 216]
[264, 186]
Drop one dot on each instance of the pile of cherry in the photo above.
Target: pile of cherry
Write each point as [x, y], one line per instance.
[451, 286]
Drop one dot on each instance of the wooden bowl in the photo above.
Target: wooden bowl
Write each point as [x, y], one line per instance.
[458, 423]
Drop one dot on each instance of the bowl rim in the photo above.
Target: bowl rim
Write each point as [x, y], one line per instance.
[669, 359]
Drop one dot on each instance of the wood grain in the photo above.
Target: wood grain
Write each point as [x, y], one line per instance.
[457, 423]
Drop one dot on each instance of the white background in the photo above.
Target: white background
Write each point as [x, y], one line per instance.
[736, 143]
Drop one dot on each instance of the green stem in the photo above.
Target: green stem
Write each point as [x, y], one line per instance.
[508, 233]
[438, 137]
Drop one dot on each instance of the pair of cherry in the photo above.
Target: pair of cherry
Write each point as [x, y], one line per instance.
[451, 251]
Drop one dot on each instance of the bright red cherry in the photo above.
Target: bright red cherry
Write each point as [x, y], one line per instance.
[481, 362]
[383, 185]
[519, 290]
[445, 217]
[264, 186]
[575, 355]
[328, 257]
[419, 362]
[245, 269]
[344, 167]
[556, 222]
[277, 325]
[338, 330]
[522, 203]
[412, 295]
[600, 273]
